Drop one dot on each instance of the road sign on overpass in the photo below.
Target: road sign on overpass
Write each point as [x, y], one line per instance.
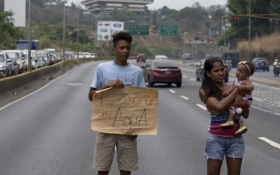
[138, 29]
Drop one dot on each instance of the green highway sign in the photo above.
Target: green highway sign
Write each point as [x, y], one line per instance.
[168, 30]
[138, 29]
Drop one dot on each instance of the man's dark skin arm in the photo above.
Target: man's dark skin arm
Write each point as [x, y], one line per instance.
[116, 83]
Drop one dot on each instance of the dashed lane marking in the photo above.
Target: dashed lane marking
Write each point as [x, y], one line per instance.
[186, 98]
[192, 79]
[4, 107]
[258, 99]
[172, 91]
[272, 143]
[201, 106]
[185, 76]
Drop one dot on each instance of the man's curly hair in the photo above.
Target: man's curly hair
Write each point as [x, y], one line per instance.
[122, 35]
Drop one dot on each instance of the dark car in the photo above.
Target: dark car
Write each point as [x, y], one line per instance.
[261, 64]
[200, 72]
[162, 71]
[141, 58]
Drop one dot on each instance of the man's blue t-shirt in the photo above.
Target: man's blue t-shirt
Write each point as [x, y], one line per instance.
[130, 75]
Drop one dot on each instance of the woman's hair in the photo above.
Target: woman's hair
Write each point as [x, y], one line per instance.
[207, 85]
[122, 35]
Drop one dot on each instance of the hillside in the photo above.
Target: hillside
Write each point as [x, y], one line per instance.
[47, 23]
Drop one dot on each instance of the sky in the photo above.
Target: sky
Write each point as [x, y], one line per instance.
[176, 4]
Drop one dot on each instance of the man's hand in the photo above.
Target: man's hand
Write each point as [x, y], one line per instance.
[115, 83]
[131, 137]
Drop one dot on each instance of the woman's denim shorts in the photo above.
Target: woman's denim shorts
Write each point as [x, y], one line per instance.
[219, 147]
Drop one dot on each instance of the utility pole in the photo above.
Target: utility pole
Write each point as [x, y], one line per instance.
[64, 29]
[249, 25]
[78, 30]
[29, 37]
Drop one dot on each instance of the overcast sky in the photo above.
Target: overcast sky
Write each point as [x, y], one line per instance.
[176, 4]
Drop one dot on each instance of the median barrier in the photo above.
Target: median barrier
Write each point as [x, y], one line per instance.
[19, 80]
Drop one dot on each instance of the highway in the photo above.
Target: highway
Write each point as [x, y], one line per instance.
[48, 132]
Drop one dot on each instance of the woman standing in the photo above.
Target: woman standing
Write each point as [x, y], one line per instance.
[221, 142]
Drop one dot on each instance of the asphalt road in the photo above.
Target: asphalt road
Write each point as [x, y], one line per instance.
[48, 133]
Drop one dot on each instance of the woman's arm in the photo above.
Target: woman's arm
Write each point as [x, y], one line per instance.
[238, 102]
[216, 104]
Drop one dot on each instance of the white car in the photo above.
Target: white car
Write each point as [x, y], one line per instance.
[161, 57]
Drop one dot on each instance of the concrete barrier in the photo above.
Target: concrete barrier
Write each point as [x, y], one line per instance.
[19, 80]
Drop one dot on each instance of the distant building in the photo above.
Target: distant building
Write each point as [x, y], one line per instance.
[108, 6]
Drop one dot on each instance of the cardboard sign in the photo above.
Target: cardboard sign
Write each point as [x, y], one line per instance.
[128, 110]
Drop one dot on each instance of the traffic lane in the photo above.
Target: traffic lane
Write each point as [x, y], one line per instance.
[49, 132]
[262, 74]
[179, 146]
[265, 98]
[258, 125]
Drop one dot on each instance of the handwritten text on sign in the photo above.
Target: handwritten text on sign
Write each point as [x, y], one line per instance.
[128, 110]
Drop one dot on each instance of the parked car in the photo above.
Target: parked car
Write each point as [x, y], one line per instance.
[187, 56]
[69, 55]
[261, 64]
[161, 57]
[41, 62]
[58, 56]
[5, 65]
[43, 53]
[92, 55]
[141, 58]
[200, 72]
[20, 58]
[84, 55]
[15, 67]
[162, 71]
[33, 58]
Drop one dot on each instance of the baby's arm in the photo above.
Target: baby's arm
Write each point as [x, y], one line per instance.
[246, 86]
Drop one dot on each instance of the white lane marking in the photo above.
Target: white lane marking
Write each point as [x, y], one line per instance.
[172, 91]
[257, 99]
[201, 106]
[75, 84]
[115, 147]
[185, 76]
[192, 79]
[272, 143]
[4, 107]
[186, 98]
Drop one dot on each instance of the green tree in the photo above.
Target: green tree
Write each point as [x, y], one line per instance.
[259, 26]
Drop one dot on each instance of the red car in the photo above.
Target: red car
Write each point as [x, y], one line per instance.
[141, 58]
[162, 71]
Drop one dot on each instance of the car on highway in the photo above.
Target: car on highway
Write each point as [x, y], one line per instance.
[5, 65]
[161, 57]
[15, 67]
[20, 58]
[141, 58]
[199, 73]
[261, 64]
[162, 71]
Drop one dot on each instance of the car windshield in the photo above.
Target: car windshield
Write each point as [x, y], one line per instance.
[2, 59]
[259, 59]
[164, 64]
[13, 55]
[40, 54]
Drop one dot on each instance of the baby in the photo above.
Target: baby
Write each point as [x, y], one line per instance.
[244, 71]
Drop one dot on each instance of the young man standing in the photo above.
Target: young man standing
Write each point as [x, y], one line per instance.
[117, 73]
